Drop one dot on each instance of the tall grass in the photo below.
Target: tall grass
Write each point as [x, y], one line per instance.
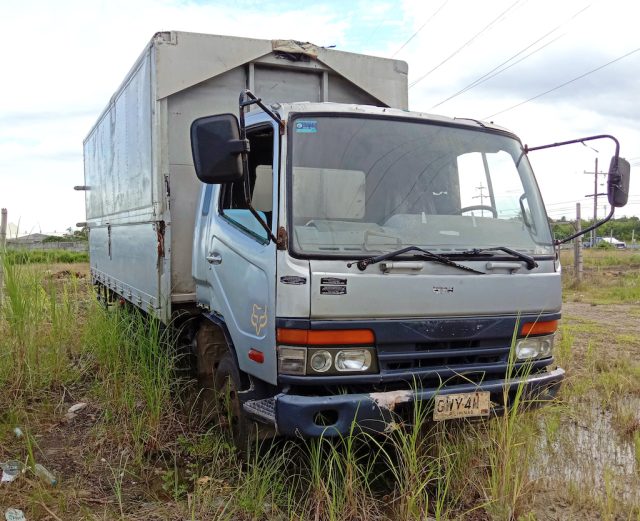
[38, 327]
[19, 256]
[339, 475]
[133, 374]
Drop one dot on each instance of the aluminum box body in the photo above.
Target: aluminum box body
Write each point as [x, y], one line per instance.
[142, 191]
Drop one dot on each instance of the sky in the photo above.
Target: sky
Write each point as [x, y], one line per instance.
[548, 70]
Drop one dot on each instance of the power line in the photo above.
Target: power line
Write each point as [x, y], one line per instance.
[496, 70]
[421, 27]
[565, 83]
[467, 43]
[482, 79]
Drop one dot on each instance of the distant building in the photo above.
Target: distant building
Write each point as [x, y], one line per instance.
[36, 241]
[27, 240]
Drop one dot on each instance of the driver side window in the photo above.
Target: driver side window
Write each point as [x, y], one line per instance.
[233, 205]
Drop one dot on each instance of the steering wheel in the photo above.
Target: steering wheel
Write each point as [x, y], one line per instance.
[491, 209]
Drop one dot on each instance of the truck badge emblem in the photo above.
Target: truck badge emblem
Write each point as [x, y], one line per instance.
[258, 318]
[441, 290]
[293, 279]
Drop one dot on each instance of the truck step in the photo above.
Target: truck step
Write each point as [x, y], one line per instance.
[264, 409]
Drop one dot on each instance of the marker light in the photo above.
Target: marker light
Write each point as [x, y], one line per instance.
[292, 360]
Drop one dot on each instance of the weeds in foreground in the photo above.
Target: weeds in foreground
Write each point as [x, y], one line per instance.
[417, 470]
[38, 330]
[134, 374]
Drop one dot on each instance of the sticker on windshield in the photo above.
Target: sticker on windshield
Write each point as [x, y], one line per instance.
[306, 126]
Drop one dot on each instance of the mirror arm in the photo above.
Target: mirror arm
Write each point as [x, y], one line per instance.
[558, 242]
[528, 149]
[245, 163]
[253, 100]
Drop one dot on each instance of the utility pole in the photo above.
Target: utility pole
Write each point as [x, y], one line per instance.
[577, 247]
[3, 229]
[481, 196]
[3, 242]
[595, 195]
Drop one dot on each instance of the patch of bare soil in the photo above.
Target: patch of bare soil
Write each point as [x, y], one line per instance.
[93, 473]
[63, 271]
[616, 325]
[618, 317]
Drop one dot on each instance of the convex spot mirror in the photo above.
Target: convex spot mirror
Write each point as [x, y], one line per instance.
[618, 182]
[217, 149]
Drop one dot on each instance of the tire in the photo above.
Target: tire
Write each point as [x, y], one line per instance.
[231, 415]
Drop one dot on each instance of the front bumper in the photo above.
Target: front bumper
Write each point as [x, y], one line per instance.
[297, 415]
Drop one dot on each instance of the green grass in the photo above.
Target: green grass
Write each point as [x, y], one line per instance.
[37, 329]
[133, 368]
[140, 458]
[596, 260]
[17, 256]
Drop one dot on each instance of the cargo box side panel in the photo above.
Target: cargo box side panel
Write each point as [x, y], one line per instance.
[123, 213]
[118, 154]
[121, 261]
[215, 96]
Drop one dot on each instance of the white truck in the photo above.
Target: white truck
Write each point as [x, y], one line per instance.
[331, 256]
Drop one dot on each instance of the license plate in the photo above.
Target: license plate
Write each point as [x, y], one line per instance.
[462, 405]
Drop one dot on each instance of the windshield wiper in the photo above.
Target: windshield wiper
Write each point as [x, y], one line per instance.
[420, 253]
[531, 263]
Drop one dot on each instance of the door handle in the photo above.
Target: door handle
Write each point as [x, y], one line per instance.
[214, 258]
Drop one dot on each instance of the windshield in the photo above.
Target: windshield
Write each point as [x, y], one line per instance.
[364, 184]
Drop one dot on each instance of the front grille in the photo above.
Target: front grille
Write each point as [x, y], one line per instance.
[438, 356]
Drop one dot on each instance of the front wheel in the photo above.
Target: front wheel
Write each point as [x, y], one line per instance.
[231, 414]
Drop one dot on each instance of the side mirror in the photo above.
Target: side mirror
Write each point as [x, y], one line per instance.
[217, 149]
[618, 182]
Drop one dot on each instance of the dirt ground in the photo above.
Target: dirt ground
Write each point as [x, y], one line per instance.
[619, 325]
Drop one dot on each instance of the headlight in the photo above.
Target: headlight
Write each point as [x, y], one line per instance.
[534, 348]
[320, 361]
[353, 360]
[292, 360]
[315, 361]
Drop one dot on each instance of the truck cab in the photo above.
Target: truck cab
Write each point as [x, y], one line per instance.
[401, 256]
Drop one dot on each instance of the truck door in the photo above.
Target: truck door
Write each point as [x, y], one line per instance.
[242, 258]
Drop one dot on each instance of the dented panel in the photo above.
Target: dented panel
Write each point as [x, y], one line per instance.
[389, 400]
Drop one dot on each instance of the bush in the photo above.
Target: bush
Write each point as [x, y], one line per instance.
[14, 257]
